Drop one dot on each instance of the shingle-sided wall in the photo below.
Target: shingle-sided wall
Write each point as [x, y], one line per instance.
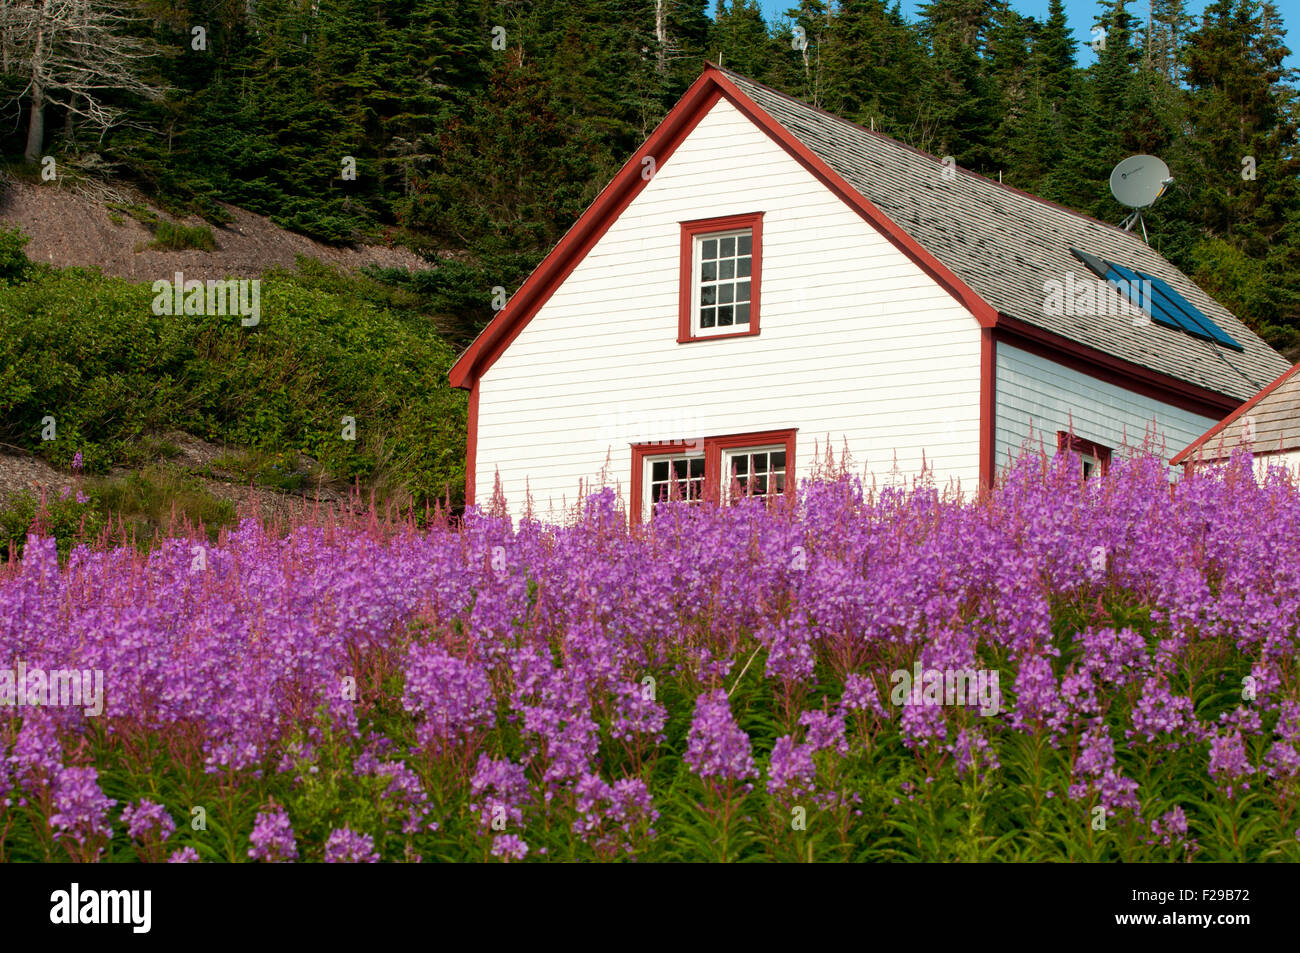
[1039, 395]
[857, 343]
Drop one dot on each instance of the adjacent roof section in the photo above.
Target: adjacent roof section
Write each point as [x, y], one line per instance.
[1268, 423]
[1006, 244]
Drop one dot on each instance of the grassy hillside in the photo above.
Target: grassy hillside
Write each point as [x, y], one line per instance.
[88, 351]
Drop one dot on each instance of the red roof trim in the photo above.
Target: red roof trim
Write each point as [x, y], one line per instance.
[988, 407]
[628, 183]
[1113, 370]
[471, 444]
[931, 156]
[584, 234]
[1184, 454]
[981, 309]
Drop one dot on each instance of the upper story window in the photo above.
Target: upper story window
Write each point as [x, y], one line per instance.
[720, 272]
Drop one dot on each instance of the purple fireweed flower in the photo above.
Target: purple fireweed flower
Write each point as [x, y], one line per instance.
[346, 846]
[272, 837]
[790, 770]
[1159, 711]
[186, 855]
[611, 815]
[971, 750]
[37, 755]
[716, 747]
[1038, 698]
[80, 807]
[1228, 761]
[637, 714]
[1171, 828]
[147, 820]
[509, 846]
[860, 695]
[76, 461]
[501, 790]
[452, 697]
[825, 731]
[789, 651]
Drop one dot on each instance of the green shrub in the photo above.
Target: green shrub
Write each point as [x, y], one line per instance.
[174, 237]
[70, 519]
[89, 351]
[15, 266]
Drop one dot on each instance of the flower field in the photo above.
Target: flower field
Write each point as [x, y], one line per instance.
[730, 684]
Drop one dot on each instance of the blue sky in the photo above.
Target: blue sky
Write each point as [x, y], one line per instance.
[1080, 14]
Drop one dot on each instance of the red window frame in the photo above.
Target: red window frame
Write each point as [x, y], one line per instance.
[686, 295]
[712, 448]
[1084, 448]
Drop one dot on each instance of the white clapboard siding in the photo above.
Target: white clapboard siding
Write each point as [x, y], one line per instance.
[857, 343]
[1287, 459]
[1035, 394]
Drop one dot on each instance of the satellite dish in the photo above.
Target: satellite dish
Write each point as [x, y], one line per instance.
[1137, 182]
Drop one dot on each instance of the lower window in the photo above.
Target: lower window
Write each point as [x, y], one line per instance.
[1093, 457]
[721, 468]
[758, 471]
[675, 478]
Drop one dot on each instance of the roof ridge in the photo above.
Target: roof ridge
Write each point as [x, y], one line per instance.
[921, 152]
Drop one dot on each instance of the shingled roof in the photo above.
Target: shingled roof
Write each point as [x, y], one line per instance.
[1268, 423]
[1005, 244]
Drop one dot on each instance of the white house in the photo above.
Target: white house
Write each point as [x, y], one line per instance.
[763, 278]
[1268, 425]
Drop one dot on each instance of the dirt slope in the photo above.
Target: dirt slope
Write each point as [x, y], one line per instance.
[67, 228]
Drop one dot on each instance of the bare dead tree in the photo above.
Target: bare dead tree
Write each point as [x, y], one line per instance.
[73, 53]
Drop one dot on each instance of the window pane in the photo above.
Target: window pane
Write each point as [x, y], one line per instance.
[760, 463]
[725, 293]
[659, 471]
[697, 466]
[745, 244]
[742, 314]
[740, 465]
[742, 291]
[709, 271]
[780, 483]
[709, 295]
[742, 267]
[710, 248]
[680, 466]
[778, 460]
[728, 248]
[726, 268]
[708, 317]
[759, 484]
[724, 316]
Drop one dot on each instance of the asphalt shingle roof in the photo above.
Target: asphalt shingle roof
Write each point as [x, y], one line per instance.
[1006, 244]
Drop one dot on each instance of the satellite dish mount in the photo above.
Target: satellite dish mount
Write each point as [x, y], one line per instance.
[1137, 182]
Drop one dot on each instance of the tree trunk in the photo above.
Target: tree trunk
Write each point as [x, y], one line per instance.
[36, 126]
[661, 34]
